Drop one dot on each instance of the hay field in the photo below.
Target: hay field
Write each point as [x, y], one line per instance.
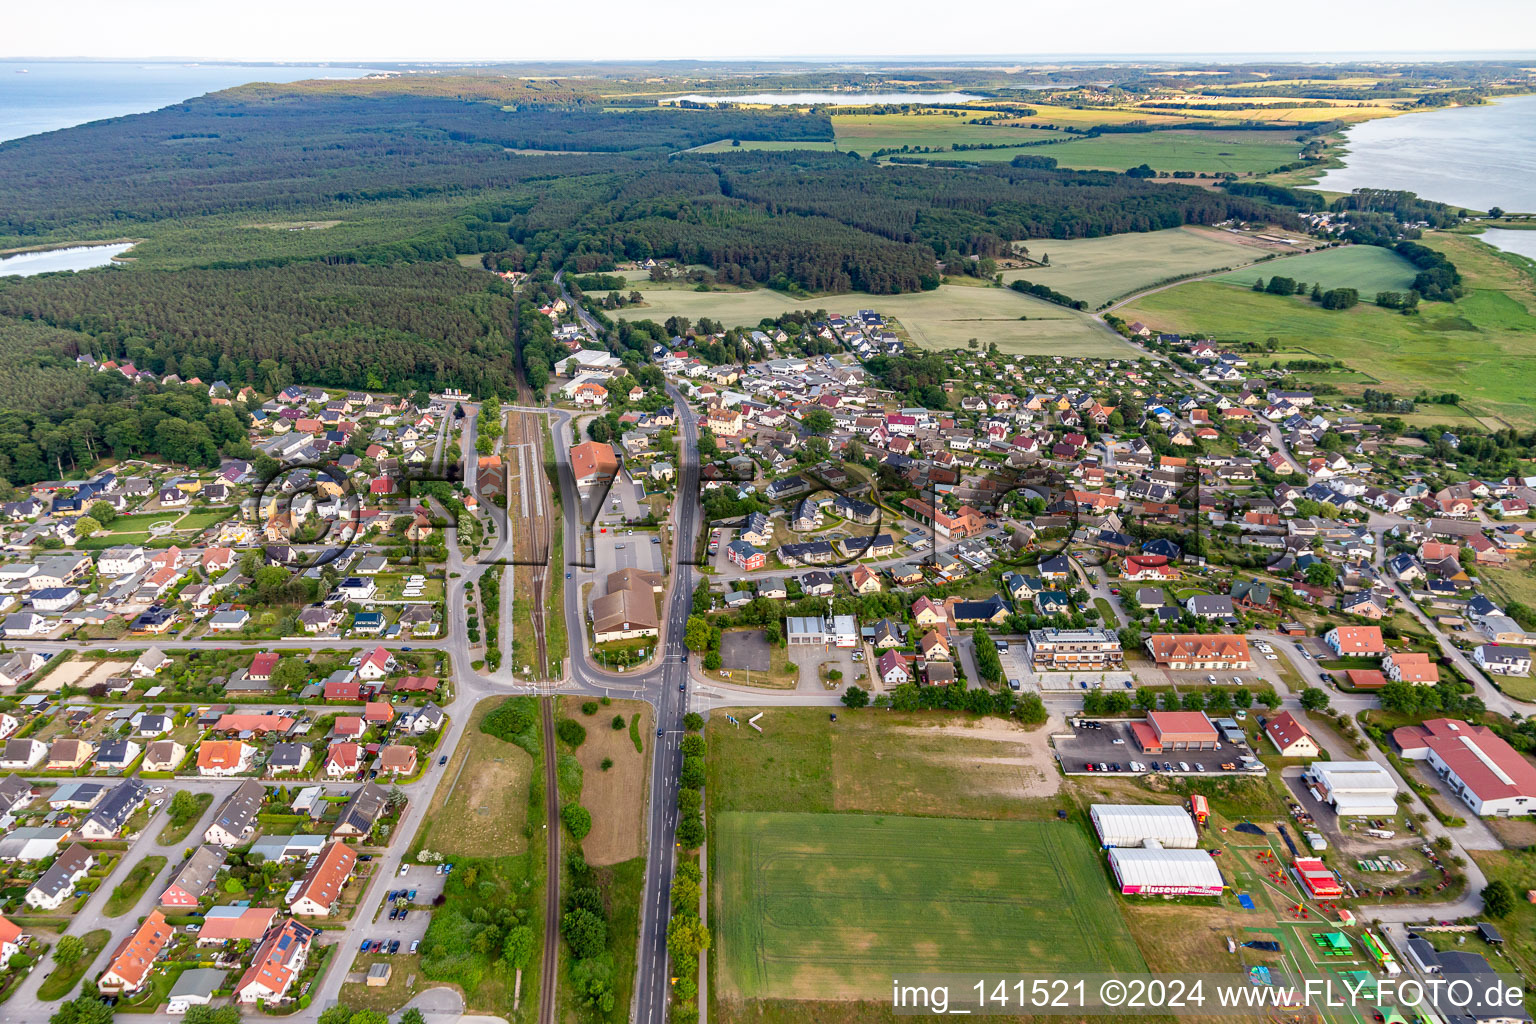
[1097, 270]
[1370, 268]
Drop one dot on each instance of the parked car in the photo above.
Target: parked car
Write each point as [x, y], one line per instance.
[394, 945]
[414, 944]
[366, 946]
[1183, 766]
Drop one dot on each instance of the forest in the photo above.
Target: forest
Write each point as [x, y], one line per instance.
[291, 151]
[395, 328]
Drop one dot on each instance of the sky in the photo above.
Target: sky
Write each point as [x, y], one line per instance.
[407, 30]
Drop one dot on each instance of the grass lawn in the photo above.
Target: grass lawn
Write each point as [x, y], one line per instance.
[1479, 346]
[880, 763]
[946, 317]
[480, 808]
[404, 981]
[1097, 270]
[204, 519]
[63, 979]
[1519, 928]
[127, 893]
[1369, 268]
[774, 145]
[177, 829]
[831, 906]
[1244, 152]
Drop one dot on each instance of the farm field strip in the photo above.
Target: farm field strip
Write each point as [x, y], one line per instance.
[830, 906]
[1369, 268]
[1097, 270]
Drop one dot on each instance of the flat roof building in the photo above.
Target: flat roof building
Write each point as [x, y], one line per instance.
[1354, 788]
[1134, 824]
[1155, 872]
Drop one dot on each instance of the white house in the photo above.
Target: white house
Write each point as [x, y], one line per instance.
[1504, 661]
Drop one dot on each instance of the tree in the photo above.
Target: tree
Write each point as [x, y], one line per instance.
[87, 526]
[686, 938]
[1320, 574]
[102, 512]
[696, 633]
[577, 819]
[411, 1016]
[83, 1009]
[341, 1013]
[712, 661]
[1498, 899]
[855, 697]
[817, 421]
[1314, 699]
[183, 806]
[516, 948]
[70, 948]
[693, 721]
[585, 933]
[692, 774]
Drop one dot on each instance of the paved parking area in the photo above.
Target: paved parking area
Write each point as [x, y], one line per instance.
[744, 649]
[811, 657]
[1113, 742]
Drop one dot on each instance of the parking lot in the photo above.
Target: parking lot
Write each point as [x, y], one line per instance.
[1110, 742]
[811, 657]
[428, 884]
[745, 649]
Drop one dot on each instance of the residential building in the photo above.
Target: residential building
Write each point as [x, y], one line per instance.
[277, 964]
[1290, 737]
[57, 884]
[135, 956]
[322, 885]
[1356, 641]
[194, 878]
[1074, 650]
[1203, 651]
[235, 820]
[1504, 661]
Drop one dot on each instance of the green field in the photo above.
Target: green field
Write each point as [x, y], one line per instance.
[1480, 346]
[774, 145]
[1238, 151]
[1097, 270]
[946, 317]
[1368, 268]
[832, 906]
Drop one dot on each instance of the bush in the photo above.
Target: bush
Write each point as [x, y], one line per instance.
[571, 732]
[618, 722]
[589, 707]
[578, 820]
[693, 721]
[607, 763]
[514, 717]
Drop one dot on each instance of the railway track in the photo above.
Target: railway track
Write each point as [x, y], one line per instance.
[530, 515]
[549, 967]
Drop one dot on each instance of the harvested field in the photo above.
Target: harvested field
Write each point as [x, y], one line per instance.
[481, 804]
[616, 797]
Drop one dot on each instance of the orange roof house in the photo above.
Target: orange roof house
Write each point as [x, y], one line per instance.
[323, 884]
[1410, 667]
[224, 757]
[1357, 641]
[131, 963]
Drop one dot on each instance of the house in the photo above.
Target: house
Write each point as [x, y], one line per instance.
[319, 620]
[15, 792]
[891, 667]
[397, 759]
[235, 924]
[225, 757]
[342, 760]
[11, 937]
[323, 883]
[245, 722]
[926, 612]
[22, 754]
[627, 610]
[1356, 641]
[26, 623]
[58, 883]
[194, 987]
[933, 646]
[423, 719]
[1211, 606]
[135, 956]
[1504, 661]
[1290, 737]
[117, 755]
[287, 758]
[235, 820]
[364, 811]
[109, 817]
[1190, 651]
[262, 666]
[195, 878]
[1410, 667]
[744, 555]
[149, 663]
[163, 756]
[277, 964]
[376, 664]
[68, 755]
[1487, 773]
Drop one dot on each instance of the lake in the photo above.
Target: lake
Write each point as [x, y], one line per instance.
[1515, 241]
[44, 96]
[78, 257]
[846, 99]
[1475, 157]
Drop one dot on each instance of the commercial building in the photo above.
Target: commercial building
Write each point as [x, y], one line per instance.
[1320, 883]
[1074, 650]
[1168, 825]
[805, 630]
[1487, 773]
[1165, 731]
[627, 611]
[1354, 788]
[1156, 872]
[593, 463]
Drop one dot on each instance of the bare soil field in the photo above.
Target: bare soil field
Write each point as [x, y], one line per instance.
[616, 798]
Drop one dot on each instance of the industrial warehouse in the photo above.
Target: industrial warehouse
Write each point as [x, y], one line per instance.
[1159, 872]
[1125, 825]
